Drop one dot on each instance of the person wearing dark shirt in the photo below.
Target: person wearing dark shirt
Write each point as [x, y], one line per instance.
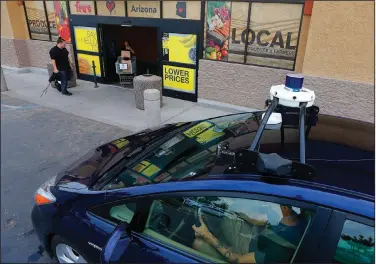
[274, 244]
[61, 64]
[127, 47]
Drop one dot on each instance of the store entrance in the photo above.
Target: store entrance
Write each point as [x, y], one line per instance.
[144, 42]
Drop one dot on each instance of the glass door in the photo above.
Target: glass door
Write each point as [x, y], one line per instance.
[86, 42]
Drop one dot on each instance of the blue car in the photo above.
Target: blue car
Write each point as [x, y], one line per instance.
[192, 192]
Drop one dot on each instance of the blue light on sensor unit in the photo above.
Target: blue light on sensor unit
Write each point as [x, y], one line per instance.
[294, 82]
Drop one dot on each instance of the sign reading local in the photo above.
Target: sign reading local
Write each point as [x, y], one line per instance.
[86, 39]
[179, 79]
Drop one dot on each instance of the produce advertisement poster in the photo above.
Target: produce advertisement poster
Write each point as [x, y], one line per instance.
[86, 39]
[179, 48]
[179, 79]
[37, 20]
[218, 22]
[85, 64]
[62, 22]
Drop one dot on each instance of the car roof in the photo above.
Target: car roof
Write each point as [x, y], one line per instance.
[341, 150]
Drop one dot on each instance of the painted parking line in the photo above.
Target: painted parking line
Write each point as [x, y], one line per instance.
[5, 108]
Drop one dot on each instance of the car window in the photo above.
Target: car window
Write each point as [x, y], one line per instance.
[233, 229]
[189, 152]
[122, 212]
[357, 244]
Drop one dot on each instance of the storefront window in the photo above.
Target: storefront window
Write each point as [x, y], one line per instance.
[85, 62]
[82, 7]
[270, 39]
[147, 9]
[62, 21]
[239, 21]
[179, 48]
[273, 34]
[111, 8]
[182, 9]
[86, 39]
[218, 21]
[47, 20]
[36, 18]
[51, 20]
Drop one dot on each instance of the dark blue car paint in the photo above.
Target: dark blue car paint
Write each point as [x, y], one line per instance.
[70, 217]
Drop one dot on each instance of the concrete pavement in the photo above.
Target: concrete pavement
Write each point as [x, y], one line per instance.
[36, 143]
[108, 104]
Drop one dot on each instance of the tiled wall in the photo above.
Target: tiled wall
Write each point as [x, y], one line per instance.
[249, 86]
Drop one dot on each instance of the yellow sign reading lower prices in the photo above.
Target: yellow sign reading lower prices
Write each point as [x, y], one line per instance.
[182, 48]
[86, 39]
[179, 79]
[85, 64]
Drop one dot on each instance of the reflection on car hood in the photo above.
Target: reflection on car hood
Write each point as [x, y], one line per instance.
[88, 168]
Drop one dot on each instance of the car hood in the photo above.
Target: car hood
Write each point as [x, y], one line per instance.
[85, 171]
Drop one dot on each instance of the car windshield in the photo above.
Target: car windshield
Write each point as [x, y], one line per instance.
[188, 153]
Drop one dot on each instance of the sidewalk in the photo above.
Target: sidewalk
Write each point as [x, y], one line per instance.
[107, 104]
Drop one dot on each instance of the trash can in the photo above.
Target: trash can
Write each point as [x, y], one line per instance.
[71, 83]
[143, 82]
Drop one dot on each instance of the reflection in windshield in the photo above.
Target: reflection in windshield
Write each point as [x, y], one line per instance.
[186, 154]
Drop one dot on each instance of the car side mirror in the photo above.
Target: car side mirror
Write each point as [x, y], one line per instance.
[112, 242]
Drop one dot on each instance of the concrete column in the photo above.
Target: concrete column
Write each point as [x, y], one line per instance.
[4, 86]
[152, 104]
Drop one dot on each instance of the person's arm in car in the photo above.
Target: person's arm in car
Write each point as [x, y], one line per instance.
[227, 252]
[251, 220]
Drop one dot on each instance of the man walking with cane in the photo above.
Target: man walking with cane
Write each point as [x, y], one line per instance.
[61, 64]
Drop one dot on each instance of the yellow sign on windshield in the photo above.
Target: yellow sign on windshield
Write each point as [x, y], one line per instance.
[197, 129]
[208, 136]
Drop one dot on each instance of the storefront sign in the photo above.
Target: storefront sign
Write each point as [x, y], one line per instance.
[179, 79]
[179, 48]
[86, 39]
[239, 20]
[273, 34]
[82, 7]
[150, 9]
[62, 22]
[85, 64]
[182, 9]
[271, 37]
[218, 20]
[111, 8]
[37, 20]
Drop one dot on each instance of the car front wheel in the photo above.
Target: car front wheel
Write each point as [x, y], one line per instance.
[64, 252]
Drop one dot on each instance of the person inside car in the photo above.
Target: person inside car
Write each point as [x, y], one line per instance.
[274, 244]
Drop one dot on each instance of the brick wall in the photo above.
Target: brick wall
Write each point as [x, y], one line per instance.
[249, 86]
[27, 53]
[8, 53]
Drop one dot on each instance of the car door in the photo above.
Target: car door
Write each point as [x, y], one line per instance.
[348, 239]
[164, 231]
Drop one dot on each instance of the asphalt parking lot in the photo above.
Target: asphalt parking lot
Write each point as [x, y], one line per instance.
[36, 143]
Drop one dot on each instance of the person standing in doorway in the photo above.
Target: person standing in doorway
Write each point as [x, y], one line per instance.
[61, 64]
[128, 48]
